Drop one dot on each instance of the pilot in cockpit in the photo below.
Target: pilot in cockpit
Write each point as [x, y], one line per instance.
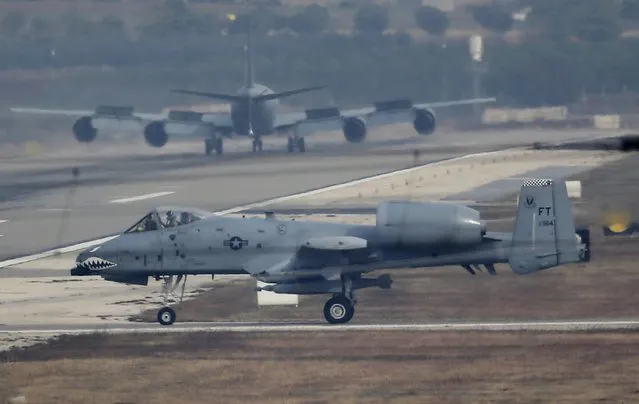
[185, 218]
[171, 220]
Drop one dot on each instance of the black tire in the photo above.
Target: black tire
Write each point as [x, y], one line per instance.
[219, 146]
[259, 145]
[338, 310]
[301, 145]
[166, 316]
[208, 146]
[290, 145]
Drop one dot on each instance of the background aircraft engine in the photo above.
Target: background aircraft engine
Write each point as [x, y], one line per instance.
[415, 224]
[354, 130]
[155, 135]
[424, 122]
[84, 131]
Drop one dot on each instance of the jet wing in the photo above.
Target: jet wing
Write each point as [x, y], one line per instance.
[123, 113]
[380, 114]
[319, 252]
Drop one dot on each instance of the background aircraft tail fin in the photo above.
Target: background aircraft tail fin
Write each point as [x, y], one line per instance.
[545, 234]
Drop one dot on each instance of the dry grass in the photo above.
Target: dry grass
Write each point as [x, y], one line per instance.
[371, 367]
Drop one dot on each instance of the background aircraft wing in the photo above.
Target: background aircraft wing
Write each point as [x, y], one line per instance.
[116, 112]
[379, 114]
[221, 120]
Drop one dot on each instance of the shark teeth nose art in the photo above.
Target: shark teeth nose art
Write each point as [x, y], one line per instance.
[96, 263]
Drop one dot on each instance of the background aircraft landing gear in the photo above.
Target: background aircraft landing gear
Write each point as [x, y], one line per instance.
[340, 309]
[257, 145]
[166, 315]
[216, 144]
[296, 143]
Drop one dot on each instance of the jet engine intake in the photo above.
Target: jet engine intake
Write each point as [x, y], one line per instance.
[424, 122]
[84, 131]
[354, 129]
[155, 135]
[414, 224]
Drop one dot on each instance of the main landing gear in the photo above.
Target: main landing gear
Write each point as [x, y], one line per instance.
[257, 144]
[340, 309]
[166, 315]
[216, 143]
[296, 143]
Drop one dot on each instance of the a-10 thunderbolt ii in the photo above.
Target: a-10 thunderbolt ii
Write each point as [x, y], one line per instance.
[307, 257]
[253, 114]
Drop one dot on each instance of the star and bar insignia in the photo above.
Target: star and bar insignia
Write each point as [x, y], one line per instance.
[235, 243]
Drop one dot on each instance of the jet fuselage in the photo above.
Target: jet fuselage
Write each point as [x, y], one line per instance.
[262, 113]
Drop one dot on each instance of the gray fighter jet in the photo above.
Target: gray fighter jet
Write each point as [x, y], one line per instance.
[307, 257]
[253, 113]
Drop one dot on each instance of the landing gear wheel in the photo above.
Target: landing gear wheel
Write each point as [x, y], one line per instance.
[338, 310]
[219, 146]
[208, 146]
[300, 145]
[290, 146]
[257, 145]
[166, 316]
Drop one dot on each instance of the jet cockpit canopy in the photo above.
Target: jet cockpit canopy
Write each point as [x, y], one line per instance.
[168, 217]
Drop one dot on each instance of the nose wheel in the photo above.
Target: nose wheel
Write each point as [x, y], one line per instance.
[257, 145]
[166, 316]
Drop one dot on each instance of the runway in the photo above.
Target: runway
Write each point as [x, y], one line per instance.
[247, 327]
[116, 189]
[43, 207]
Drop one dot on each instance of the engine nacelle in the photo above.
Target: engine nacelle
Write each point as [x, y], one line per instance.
[424, 122]
[84, 131]
[413, 224]
[155, 135]
[354, 129]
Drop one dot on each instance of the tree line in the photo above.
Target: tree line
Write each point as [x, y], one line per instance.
[546, 68]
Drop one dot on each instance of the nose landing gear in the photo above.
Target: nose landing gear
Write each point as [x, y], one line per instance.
[166, 315]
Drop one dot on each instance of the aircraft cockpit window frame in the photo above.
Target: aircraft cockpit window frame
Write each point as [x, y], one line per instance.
[141, 226]
[179, 217]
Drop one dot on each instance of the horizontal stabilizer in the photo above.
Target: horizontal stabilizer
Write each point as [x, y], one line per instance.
[336, 243]
[215, 96]
[243, 98]
[283, 94]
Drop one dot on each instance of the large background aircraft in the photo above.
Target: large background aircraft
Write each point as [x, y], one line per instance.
[254, 114]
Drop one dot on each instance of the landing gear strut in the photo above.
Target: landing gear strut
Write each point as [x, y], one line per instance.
[166, 315]
[257, 144]
[216, 143]
[340, 309]
[296, 143]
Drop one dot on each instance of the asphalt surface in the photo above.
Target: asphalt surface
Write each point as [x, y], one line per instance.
[42, 205]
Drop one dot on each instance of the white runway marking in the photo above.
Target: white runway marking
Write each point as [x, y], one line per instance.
[129, 328]
[142, 197]
[81, 246]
